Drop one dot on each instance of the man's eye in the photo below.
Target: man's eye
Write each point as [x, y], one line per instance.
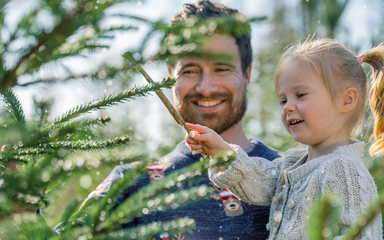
[187, 72]
[222, 69]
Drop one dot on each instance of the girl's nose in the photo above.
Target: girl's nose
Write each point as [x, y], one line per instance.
[289, 107]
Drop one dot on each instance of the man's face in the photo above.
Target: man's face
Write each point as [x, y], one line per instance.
[212, 92]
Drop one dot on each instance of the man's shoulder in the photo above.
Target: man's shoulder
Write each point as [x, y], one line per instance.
[259, 149]
[179, 157]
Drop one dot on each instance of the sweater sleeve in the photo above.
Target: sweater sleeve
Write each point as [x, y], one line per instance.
[349, 180]
[252, 179]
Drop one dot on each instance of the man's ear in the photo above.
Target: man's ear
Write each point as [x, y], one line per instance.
[248, 75]
[349, 99]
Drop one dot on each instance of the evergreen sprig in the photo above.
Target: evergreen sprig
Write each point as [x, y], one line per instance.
[160, 193]
[14, 107]
[185, 37]
[86, 144]
[355, 230]
[115, 98]
[173, 228]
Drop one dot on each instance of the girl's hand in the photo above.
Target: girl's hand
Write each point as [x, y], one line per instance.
[206, 138]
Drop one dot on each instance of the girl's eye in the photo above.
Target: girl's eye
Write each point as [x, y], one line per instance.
[283, 101]
[300, 95]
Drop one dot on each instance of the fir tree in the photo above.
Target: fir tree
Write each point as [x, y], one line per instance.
[45, 146]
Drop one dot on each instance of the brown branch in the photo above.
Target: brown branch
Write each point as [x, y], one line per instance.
[8, 77]
[162, 97]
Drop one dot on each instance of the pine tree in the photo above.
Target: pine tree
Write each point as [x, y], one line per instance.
[45, 147]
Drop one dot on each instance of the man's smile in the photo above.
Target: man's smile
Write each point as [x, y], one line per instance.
[208, 103]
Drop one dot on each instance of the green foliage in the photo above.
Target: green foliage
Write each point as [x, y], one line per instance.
[75, 30]
[14, 107]
[115, 98]
[185, 37]
[325, 219]
[45, 153]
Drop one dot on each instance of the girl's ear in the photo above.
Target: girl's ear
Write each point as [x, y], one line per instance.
[349, 99]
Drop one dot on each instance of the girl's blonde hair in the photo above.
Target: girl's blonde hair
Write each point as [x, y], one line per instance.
[339, 68]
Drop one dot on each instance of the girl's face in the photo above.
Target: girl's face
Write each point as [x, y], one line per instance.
[308, 111]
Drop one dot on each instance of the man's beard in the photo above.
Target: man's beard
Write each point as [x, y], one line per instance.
[218, 121]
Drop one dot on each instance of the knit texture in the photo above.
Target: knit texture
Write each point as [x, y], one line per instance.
[219, 216]
[291, 186]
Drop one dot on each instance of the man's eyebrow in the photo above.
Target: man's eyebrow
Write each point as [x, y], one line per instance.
[224, 63]
[189, 65]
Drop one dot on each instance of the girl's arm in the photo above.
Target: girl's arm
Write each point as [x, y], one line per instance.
[252, 179]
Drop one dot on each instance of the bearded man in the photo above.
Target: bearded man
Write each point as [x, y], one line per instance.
[211, 93]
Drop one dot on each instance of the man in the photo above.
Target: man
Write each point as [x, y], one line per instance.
[211, 93]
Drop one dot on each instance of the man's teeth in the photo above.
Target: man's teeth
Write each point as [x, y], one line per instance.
[208, 103]
[295, 121]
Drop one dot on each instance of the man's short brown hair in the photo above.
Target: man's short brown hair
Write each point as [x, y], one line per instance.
[206, 9]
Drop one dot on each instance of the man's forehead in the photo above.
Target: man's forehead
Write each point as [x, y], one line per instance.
[196, 61]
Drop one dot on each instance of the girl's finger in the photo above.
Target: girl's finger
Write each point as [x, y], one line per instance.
[198, 128]
[189, 140]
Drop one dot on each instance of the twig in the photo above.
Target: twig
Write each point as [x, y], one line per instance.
[162, 97]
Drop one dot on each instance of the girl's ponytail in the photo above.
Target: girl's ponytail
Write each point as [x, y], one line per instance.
[375, 58]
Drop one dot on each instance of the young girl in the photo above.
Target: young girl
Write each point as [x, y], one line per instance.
[322, 88]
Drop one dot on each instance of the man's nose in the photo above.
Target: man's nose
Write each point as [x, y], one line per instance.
[207, 84]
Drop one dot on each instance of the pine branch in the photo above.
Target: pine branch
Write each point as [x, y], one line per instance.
[42, 109]
[115, 98]
[13, 159]
[160, 203]
[14, 107]
[57, 173]
[179, 225]
[66, 219]
[86, 144]
[65, 130]
[365, 219]
[103, 32]
[127, 180]
[100, 73]
[134, 205]
[76, 124]
[20, 152]
[140, 19]
[20, 191]
[68, 23]
[25, 226]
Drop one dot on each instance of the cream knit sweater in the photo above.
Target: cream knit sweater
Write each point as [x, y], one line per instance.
[291, 186]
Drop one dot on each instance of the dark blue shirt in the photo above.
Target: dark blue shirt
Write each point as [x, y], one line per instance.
[220, 216]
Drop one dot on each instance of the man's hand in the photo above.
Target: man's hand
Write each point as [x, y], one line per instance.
[207, 138]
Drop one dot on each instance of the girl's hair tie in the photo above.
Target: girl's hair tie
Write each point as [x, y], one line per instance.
[360, 61]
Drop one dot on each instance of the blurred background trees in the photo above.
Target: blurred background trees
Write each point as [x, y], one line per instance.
[58, 54]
